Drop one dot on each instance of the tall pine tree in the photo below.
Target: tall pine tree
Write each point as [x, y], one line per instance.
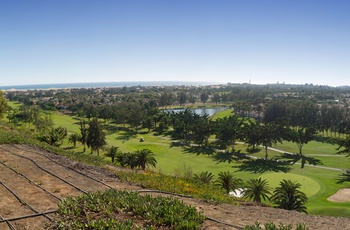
[96, 138]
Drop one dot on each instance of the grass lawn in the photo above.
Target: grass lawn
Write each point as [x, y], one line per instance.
[14, 104]
[317, 183]
[222, 114]
[318, 203]
[336, 161]
[173, 160]
[313, 147]
[69, 122]
[308, 185]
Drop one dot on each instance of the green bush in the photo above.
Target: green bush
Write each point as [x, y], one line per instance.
[272, 226]
[114, 209]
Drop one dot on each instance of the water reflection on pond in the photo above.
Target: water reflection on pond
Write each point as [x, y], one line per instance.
[199, 111]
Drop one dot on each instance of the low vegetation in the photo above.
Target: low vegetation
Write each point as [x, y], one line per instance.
[287, 118]
[114, 209]
[273, 226]
[177, 185]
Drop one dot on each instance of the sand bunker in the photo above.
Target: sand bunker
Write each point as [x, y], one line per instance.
[343, 195]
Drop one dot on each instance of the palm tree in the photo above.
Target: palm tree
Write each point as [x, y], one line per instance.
[251, 134]
[301, 136]
[145, 157]
[127, 159]
[257, 189]
[83, 134]
[73, 138]
[228, 130]
[204, 177]
[288, 196]
[112, 152]
[54, 136]
[227, 181]
[269, 134]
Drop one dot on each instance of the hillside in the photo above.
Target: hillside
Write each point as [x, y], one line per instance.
[41, 179]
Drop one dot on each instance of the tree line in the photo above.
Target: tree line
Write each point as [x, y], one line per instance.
[282, 120]
[286, 196]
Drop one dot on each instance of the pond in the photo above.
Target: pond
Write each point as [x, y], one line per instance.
[199, 111]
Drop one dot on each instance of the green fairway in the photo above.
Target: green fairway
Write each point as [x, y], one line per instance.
[317, 183]
[308, 185]
[223, 113]
[313, 147]
[172, 159]
[68, 122]
[335, 161]
[14, 104]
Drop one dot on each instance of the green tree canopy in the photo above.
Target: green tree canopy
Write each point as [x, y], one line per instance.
[73, 138]
[288, 196]
[204, 177]
[145, 157]
[53, 136]
[227, 181]
[228, 130]
[83, 133]
[257, 189]
[112, 152]
[96, 137]
[269, 134]
[344, 145]
[3, 105]
[301, 136]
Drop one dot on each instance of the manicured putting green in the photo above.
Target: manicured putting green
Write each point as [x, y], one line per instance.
[308, 185]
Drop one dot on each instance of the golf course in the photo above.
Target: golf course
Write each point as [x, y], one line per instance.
[318, 181]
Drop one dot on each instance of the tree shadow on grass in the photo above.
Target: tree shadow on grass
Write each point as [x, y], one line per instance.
[144, 132]
[198, 149]
[261, 165]
[69, 148]
[111, 129]
[230, 157]
[179, 144]
[127, 135]
[344, 177]
[253, 150]
[322, 139]
[293, 158]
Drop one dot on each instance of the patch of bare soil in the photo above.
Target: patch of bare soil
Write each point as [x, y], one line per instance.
[343, 195]
[33, 181]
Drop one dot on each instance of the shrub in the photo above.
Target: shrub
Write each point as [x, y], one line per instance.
[272, 226]
[114, 209]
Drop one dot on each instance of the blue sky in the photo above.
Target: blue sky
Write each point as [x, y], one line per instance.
[67, 41]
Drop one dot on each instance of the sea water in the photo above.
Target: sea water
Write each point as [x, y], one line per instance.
[101, 85]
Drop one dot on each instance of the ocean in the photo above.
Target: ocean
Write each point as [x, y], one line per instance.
[102, 84]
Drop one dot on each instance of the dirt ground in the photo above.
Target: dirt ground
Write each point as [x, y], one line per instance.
[33, 182]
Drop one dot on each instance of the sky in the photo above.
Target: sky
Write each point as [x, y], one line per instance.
[237, 41]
